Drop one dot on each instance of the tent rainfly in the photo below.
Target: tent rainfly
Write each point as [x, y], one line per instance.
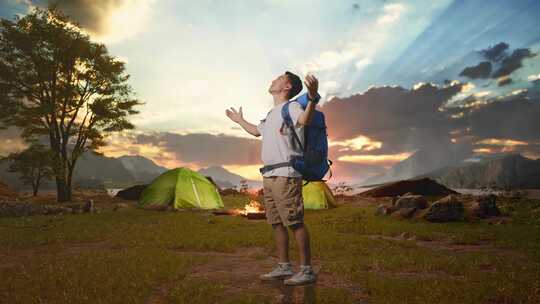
[181, 188]
[317, 195]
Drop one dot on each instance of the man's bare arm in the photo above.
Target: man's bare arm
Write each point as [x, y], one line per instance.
[237, 117]
[312, 85]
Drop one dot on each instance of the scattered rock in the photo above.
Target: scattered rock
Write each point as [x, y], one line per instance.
[17, 209]
[412, 201]
[446, 209]
[485, 206]
[405, 235]
[79, 208]
[423, 186]
[132, 193]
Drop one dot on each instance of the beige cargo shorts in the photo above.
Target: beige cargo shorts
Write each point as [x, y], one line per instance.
[283, 200]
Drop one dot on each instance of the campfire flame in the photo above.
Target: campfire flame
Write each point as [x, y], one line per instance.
[252, 207]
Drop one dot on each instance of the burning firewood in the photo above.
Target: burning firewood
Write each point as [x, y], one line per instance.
[256, 216]
[251, 207]
[253, 210]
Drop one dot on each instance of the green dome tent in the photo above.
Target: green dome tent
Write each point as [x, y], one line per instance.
[317, 195]
[181, 188]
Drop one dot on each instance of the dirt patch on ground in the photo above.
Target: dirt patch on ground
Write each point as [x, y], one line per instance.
[239, 273]
[480, 246]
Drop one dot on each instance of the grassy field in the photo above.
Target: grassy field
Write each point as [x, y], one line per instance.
[137, 256]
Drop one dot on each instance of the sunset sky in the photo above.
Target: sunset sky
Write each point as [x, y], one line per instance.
[396, 77]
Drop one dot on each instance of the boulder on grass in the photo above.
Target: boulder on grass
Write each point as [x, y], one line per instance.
[412, 201]
[446, 209]
[404, 212]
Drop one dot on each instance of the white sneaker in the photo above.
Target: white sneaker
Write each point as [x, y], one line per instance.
[306, 275]
[280, 272]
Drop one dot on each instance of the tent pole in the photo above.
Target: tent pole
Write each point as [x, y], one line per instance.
[196, 193]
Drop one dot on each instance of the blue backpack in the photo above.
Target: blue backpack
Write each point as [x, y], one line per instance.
[314, 163]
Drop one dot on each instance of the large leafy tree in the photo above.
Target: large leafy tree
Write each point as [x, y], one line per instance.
[33, 164]
[57, 83]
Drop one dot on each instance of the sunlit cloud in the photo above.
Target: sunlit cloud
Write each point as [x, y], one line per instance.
[127, 20]
[483, 150]
[360, 143]
[533, 77]
[467, 87]
[392, 12]
[108, 21]
[119, 144]
[502, 142]
[361, 47]
[382, 159]
[362, 63]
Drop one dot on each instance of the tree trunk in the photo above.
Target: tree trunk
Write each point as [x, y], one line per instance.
[63, 183]
[36, 186]
[62, 193]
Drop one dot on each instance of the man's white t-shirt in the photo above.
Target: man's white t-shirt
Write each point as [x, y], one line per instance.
[277, 147]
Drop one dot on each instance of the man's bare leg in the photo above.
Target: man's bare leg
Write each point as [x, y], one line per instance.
[281, 236]
[283, 269]
[301, 235]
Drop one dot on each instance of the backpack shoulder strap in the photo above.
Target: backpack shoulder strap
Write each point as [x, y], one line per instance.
[287, 120]
[285, 114]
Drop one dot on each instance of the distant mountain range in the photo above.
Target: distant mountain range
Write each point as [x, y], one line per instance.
[93, 170]
[422, 162]
[226, 179]
[511, 171]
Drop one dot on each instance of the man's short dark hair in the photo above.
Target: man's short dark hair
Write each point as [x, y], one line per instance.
[296, 84]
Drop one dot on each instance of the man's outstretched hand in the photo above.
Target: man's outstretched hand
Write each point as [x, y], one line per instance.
[234, 115]
[312, 85]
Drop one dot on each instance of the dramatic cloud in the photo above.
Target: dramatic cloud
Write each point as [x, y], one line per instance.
[383, 126]
[205, 149]
[496, 52]
[402, 120]
[512, 117]
[506, 64]
[513, 62]
[482, 70]
[108, 20]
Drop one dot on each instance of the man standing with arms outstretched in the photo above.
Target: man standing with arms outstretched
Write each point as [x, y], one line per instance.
[283, 184]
